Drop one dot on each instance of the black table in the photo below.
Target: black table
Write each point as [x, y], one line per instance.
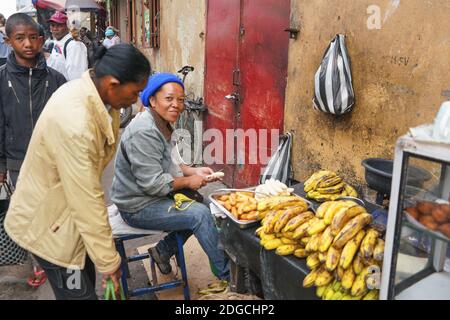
[257, 271]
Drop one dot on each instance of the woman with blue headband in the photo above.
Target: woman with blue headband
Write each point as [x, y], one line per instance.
[145, 175]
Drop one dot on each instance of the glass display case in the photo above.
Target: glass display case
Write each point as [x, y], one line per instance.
[417, 251]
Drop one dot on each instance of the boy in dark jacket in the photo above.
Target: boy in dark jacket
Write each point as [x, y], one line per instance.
[26, 84]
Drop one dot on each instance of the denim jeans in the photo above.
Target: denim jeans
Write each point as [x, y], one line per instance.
[197, 220]
[70, 284]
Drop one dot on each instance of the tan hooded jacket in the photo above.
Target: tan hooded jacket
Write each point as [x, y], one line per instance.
[58, 210]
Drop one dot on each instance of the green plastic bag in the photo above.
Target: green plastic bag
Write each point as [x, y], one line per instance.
[110, 293]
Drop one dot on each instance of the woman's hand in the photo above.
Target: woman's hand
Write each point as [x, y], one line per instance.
[196, 182]
[114, 276]
[203, 171]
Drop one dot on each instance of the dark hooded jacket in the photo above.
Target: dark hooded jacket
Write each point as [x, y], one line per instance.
[23, 94]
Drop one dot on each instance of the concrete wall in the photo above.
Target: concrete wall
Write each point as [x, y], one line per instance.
[400, 71]
[182, 41]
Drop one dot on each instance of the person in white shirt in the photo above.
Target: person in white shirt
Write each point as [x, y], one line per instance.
[111, 38]
[68, 56]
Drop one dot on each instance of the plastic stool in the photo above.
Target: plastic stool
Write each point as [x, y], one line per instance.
[119, 240]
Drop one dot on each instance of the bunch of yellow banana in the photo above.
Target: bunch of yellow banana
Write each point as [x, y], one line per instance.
[339, 245]
[327, 186]
[335, 291]
[277, 230]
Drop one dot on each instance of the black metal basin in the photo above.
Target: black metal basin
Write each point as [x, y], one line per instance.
[379, 175]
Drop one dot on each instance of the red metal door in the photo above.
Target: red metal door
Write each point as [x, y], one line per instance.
[221, 60]
[259, 72]
[263, 61]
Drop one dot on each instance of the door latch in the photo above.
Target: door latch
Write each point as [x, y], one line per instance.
[293, 32]
[233, 96]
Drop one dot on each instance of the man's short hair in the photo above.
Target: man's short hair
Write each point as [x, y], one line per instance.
[19, 19]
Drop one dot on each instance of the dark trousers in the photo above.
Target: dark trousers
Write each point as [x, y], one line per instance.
[70, 284]
[13, 175]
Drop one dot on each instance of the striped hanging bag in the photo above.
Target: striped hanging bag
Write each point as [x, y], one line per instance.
[333, 88]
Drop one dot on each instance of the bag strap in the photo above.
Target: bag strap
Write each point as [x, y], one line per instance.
[65, 47]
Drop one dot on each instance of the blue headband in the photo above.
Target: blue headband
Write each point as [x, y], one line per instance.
[155, 82]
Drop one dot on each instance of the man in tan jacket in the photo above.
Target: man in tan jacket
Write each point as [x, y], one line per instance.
[58, 211]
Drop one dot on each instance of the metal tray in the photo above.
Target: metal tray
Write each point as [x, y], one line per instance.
[244, 224]
[241, 224]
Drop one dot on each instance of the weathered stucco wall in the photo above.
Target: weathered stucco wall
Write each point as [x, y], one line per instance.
[400, 72]
[182, 41]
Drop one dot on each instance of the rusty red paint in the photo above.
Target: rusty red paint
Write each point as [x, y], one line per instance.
[249, 36]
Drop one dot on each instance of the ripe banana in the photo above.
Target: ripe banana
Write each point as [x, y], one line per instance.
[341, 218]
[334, 209]
[262, 214]
[297, 221]
[339, 273]
[322, 257]
[316, 227]
[287, 241]
[270, 223]
[287, 215]
[359, 287]
[301, 253]
[288, 235]
[368, 244]
[259, 230]
[304, 241]
[351, 191]
[333, 256]
[316, 178]
[348, 278]
[313, 243]
[320, 212]
[270, 203]
[358, 265]
[273, 244]
[312, 261]
[371, 295]
[351, 229]
[329, 182]
[285, 250]
[325, 240]
[310, 278]
[300, 232]
[319, 197]
[350, 250]
[266, 236]
[268, 217]
[378, 252]
[331, 189]
[323, 278]
[289, 204]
